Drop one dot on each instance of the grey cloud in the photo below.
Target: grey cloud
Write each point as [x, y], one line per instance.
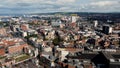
[24, 4]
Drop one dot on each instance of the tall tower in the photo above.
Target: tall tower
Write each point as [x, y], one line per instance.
[107, 29]
[95, 23]
[73, 19]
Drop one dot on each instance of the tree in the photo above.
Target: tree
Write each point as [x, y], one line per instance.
[56, 41]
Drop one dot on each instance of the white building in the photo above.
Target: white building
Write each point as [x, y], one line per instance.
[73, 19]
[36, 52]
[15, 28]
[56, 23]
[24, 33]
[63, 55]
[95, 23]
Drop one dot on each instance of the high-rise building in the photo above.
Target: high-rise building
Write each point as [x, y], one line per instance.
[107, 29]
[95, 23]
[73, 19]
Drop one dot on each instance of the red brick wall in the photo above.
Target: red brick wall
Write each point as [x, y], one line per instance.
[2, 51]
[16, 48]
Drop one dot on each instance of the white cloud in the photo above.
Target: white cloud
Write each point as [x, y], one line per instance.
[64, 8]
[23, 1]
[65, 1]
[40, 1]
[58, 5]
[104, 3]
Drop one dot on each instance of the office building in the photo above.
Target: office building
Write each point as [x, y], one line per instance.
[107, 29]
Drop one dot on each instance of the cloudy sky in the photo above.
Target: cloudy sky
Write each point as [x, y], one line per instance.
[44, 6]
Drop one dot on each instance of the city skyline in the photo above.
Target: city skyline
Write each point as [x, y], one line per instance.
[59, 34]
[41, 6]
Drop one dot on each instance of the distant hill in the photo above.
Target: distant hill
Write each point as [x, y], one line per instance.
[79, 13]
